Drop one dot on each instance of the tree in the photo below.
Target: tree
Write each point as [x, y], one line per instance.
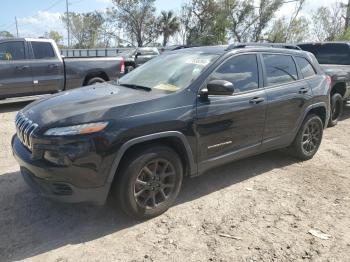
[328, 22]
[294, 21]
[266, 11]
[137, 18]
[207, 24]
[5, 34]
[56, 36]
[184, 23]
[85, 28]
[109, 31]
[242, 17]
[247, 22]
[292, 29]
[282, 31]
[168, 25]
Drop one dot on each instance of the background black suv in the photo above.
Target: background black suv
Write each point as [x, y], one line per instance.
[178, 115]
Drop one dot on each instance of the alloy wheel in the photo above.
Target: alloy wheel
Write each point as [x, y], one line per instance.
[155, 183]
[311, 137]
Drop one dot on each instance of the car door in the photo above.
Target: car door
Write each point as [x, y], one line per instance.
[15, 71]
[229, 127]
[287, 95]
[47, 68]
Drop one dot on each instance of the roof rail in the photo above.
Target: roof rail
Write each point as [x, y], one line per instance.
[272, 45]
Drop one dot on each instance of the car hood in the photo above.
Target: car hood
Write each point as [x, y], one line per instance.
[95, 103]
[337, 72]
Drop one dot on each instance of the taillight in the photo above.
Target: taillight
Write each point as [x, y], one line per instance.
[122, 66]
[329, 80]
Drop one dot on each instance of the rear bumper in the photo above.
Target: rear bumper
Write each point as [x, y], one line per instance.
[53, 189]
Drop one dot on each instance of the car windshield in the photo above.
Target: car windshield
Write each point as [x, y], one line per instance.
[333, 54]
[170, 72]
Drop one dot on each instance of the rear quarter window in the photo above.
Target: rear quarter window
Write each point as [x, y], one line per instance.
[306, 68]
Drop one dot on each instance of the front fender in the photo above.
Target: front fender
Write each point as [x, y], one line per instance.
[168, 134]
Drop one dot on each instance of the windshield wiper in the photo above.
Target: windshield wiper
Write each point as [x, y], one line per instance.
[146, 88]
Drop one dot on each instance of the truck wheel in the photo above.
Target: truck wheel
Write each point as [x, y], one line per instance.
[128, 69]
[309, 138]
[95, 80]
[150, 182]
[336, 109]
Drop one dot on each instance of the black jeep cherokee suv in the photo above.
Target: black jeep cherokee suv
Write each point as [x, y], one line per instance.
[178, 115]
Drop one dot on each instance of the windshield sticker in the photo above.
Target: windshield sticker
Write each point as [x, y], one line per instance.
[167, 87]
[198, 61]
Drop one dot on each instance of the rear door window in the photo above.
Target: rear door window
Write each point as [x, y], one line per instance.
[280, 69]
[306, 68]
[242, 71]
[12, 51]
[43, 50]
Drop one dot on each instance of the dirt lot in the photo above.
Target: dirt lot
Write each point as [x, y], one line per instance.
[259, 209]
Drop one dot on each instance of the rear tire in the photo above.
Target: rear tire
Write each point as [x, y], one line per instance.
[148, 184]
[308, 139]
[337, 108]
[95, 80]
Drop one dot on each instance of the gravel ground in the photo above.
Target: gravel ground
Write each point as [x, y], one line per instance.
[258, 209]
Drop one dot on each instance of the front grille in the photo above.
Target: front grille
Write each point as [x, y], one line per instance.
[25, 129]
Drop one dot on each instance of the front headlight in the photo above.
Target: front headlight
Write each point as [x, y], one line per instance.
[77, 130]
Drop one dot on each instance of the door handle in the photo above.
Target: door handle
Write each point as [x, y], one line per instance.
[22, 67]
[53, 66]
[257, 100]
[303, 90]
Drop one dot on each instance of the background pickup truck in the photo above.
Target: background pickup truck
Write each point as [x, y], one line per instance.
[35, 66]
[334, 58]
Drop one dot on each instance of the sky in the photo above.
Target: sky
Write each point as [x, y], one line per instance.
[35, 17]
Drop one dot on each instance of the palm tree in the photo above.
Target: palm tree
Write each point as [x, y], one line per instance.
[168, 25]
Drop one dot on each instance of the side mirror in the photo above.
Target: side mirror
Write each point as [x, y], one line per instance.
[220, 88]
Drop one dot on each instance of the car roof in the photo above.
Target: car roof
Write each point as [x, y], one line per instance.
[276, 45]
[26, 39]
[225, 49]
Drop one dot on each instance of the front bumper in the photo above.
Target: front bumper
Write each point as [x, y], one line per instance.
[36, 174]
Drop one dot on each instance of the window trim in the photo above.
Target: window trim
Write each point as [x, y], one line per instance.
[301, 73]
[266, 86]
[25, 51]
[42, 59]
[260, 75]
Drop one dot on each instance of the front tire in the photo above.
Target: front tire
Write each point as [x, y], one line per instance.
[336, 109]
[309, 137]
[149, 183]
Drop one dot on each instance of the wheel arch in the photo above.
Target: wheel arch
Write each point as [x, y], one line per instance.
[174, 139]
[319, 109]
[91, 75]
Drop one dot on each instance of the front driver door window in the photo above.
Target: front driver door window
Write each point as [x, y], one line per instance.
[241, 71]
